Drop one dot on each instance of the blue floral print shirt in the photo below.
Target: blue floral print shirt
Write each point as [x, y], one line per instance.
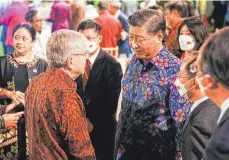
[153, 112]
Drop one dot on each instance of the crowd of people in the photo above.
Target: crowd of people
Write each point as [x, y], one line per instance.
[63, 96]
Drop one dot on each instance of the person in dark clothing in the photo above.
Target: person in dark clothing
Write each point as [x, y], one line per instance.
[203, 116]
[16, 71]
[220, 9]
[213, 79]
[100, 88]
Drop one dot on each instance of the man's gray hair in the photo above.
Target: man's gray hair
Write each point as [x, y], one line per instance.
[62, 44]
[153, 20]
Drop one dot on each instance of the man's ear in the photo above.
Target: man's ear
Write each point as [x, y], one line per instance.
[160, 36]
[69, 63]
[195, 84]
[100, 39]
[210, 81]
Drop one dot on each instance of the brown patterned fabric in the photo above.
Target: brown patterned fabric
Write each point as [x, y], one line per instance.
[86, 73]
[55, 119]
[15, 64]
[15, 77]
[172, 42]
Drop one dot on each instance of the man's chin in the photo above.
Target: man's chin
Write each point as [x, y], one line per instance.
[141, 56]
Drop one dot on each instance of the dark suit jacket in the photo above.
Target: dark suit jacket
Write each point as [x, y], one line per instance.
[124, 46]
[100, 99]
[198, 130]
[218, 148]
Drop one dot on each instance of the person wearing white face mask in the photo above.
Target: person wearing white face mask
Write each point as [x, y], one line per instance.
[213, 79]
[93, 45]
[203, 116]
[191, 35]
[99, 88]
[187, 43]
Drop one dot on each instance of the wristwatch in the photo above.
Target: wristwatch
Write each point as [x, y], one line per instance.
[1, 89]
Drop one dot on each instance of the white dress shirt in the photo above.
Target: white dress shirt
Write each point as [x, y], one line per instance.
[224, 107]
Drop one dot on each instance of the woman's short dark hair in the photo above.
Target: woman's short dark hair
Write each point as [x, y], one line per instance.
[197, 28]
[215, 56]
[152, 19]
[89, 24]
[28, 27]
[30, 14]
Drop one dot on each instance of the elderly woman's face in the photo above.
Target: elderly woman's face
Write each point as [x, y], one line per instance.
[142, 42]
[22, 41]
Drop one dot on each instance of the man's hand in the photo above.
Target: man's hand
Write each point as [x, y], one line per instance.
[17, 96]
[11, 119]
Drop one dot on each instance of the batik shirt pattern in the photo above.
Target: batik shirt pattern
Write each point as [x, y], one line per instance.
[152, 112]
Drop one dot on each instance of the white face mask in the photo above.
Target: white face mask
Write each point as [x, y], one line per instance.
[92, 46]
[187, 43]
[202, 88]
[181, 87]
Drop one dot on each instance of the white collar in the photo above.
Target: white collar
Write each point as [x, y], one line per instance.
[93, 57]
[196, 103]
[117, 13]
[224, 107]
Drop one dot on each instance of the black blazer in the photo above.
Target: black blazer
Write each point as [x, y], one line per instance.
[198, 129]
[218, 148]
[100, 99]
